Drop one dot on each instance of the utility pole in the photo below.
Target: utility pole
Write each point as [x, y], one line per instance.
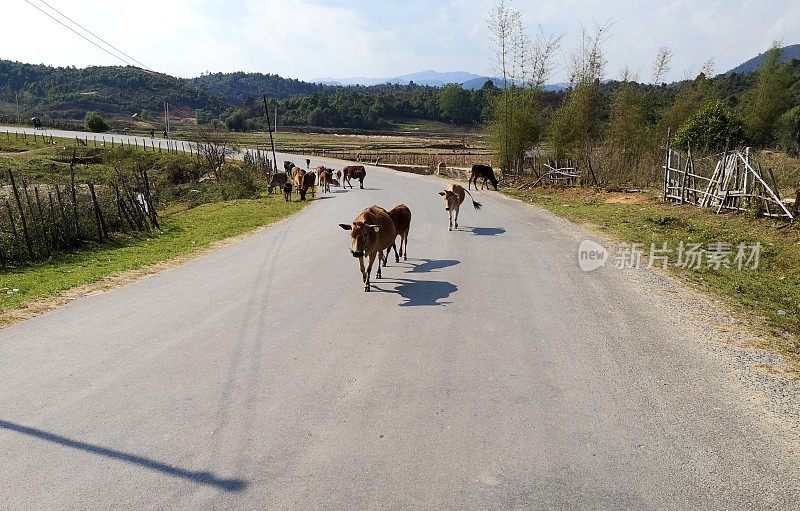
[16, 97]
[276, 118]
[271, 140]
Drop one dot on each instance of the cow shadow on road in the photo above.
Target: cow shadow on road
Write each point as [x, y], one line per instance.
[431, 265]
[486, 231]
[419, 293]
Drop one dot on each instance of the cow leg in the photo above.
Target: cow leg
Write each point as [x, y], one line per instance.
[450, 228]
[456, 218]
[396, 254]
[363, 270]
[369, 270]
[380, 257]
[405, 249]
[361, 183]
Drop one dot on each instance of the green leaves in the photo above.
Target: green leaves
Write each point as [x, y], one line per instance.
[713, 128]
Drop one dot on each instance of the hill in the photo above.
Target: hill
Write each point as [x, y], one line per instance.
[70, 92]
[787, 53]
[236, 88]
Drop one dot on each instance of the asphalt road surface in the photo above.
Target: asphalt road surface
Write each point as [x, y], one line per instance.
[486, 372]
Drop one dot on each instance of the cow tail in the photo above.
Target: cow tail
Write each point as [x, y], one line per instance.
[476, 205]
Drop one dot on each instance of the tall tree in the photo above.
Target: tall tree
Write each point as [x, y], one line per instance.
[768, 100]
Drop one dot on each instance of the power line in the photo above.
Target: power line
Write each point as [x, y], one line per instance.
[76, 32]
[95, 35]
[126, 62]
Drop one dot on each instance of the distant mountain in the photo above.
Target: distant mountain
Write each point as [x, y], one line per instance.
[788, 53]
[469, 81]
[430, 78]
[477, 83]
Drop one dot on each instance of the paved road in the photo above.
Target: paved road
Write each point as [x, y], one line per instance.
[486, 372]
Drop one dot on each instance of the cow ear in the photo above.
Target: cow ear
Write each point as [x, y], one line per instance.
[346, 227]
[442, 194]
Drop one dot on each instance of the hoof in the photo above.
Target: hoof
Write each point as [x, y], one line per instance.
[366, 289]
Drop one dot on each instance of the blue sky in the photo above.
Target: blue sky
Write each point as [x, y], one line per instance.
[308, 39]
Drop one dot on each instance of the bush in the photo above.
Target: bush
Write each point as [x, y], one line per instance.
[713, 128]
[95, 122]
[788, 131]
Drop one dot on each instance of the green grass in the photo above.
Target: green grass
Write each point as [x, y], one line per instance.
[772, 291]
[185, 231]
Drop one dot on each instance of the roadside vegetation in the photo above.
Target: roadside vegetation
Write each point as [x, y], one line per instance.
[199, 203]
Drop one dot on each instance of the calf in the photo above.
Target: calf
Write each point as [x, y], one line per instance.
[277, 181]
[339, 176]
[287, 191]
[371, 233]
[453, 197]
[354, 172]
[401, 216]
[325, 178]
[481, 171]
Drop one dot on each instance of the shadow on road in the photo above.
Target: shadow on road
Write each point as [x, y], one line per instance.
[430, 265]
[417, 293]
[488, 231]
[425, 292]
[206, 478]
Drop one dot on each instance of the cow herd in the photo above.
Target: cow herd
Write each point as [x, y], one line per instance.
[301, 181]
[375, 229]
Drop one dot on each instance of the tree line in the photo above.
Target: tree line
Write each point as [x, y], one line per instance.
[622, 124]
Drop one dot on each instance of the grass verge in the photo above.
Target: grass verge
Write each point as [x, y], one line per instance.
[186, 232]
[772, 291]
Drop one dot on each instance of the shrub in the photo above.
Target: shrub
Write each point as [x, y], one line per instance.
[713, 128]
[788, 131]
[95, 122]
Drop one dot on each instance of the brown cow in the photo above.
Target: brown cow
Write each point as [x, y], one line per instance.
[401, 216]
[309, 180]
[298, 175]
[287, 191]
[484, 172]
[371, 233]
[277, 181]
[354, 172]
[453, 197]
[325, 178]
[339, 176]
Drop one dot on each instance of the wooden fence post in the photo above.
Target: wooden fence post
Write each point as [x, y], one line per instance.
[28, 242]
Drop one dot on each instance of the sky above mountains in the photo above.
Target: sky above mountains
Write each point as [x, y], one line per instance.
[308, 39]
